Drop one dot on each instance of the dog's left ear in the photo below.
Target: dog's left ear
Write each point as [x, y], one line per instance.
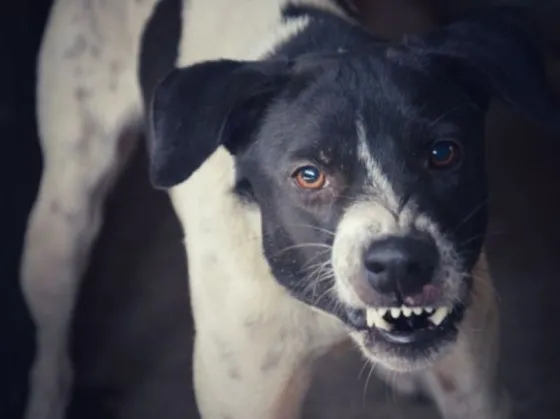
[199, 108]
[494, 53]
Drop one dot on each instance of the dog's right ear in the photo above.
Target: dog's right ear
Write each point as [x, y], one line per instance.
[495, 52]
[199, 108]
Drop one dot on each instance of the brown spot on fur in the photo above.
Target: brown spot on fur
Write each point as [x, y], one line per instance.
[81, 93]
[90, 132]
[251, 323]
[228, 357]
[77, 48]
[78, 72]
[448, 385]
[94, 51]
[271, 360]
[115, 69]
[57, 209]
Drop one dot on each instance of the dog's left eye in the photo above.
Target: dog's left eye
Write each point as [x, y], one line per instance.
[444, 154]
[310, 177]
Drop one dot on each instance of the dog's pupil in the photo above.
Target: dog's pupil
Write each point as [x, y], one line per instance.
[310, 174]
[443, 154]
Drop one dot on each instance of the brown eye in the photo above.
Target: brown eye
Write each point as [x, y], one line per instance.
[444, 154]
[310, 177]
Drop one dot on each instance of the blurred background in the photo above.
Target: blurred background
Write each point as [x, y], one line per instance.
[132, 333]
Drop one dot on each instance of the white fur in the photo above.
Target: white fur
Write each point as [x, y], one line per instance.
[379, 184]
[263, 316]
[254, 343]
[87, 96]
[374, 216]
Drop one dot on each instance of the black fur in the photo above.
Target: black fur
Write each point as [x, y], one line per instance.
[301, 105]
[159, 45]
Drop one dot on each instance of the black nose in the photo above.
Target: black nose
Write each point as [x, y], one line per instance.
[401, 265]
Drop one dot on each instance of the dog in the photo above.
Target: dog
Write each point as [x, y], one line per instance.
[330, 184]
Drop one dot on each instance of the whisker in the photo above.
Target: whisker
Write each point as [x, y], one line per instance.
[307, 266]
[372, 367]
[323, 273]
[323, 295]
[484, 235]
[302, 245]
[366, 363]
[449, 112]
[470, 215]
[321, 229]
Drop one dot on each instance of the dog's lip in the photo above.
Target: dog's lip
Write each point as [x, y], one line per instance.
[357, 320]
[426, 335]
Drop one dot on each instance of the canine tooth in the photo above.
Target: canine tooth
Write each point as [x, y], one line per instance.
[380, 323]
[417, 310]
[382, 311]
[374, 319]
[407, 311]
[371, 314]
[440, 314]
[395, 313]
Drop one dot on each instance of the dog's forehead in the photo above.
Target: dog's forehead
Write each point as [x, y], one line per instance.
[340, 99]
[358, 110]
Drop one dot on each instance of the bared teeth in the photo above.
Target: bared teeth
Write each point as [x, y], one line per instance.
[375, 316]
[439, 316]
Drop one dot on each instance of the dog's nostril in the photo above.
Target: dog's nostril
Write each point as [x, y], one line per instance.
[375, 267]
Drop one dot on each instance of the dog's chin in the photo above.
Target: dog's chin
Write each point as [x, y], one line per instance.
[406, 341]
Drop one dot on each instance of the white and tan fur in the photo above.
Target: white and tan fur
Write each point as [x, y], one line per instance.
[255, 345]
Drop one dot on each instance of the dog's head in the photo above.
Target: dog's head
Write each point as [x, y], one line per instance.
[367, 168]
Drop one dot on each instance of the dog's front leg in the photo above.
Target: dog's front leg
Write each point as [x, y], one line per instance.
[82, 123]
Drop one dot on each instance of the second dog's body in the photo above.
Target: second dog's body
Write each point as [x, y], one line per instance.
[255, 341]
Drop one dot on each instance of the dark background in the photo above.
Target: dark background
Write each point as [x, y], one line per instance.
[133, 333]
[21, 23]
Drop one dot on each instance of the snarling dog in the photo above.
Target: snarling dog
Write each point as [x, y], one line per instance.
[331, 185]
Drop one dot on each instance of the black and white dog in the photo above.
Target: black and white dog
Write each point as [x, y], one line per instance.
[330, 185]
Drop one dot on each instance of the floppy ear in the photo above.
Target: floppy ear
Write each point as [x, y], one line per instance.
[495, 53]
[199, 108]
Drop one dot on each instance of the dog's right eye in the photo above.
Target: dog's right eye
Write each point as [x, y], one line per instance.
[310, 177]
[444, 154]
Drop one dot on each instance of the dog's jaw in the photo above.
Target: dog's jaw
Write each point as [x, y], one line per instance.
[373, 317]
